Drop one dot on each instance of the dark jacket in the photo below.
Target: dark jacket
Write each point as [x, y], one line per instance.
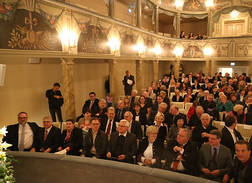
[75, 142]
[94, 108]
[12, 135]
[227, 139]
[129, 147]
[101, 143]
[52, 141]
[104, 122]
[53, 102]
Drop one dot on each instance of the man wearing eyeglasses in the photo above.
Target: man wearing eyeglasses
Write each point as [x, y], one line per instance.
[122, 145]
[24, 135]
[49, 137]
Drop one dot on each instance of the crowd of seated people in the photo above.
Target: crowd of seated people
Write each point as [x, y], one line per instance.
[149, 130]
[191, 35]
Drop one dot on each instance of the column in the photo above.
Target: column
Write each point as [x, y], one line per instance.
[68, 88]
[176, 68]
[114, 80]
[210, 25]
[155, 70]
[208, 67]
[139, 75]
[178, 17]
[156, 19]
[112, 8]
[213, 67]
[139, 13]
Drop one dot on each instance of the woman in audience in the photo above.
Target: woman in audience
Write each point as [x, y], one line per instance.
[191, 36]
[192, 109]
[138, 116]
[172, 86]
[239, 114]
[102, 108]
[190, 94]
[126, 102]
[177, 97]
[162, 129]
[83, 123]
[249, 115]
[150, 149]
[196, 85]
[224, 105]
[186, 100]
[173, 132]
[182, 34]
[143, 106]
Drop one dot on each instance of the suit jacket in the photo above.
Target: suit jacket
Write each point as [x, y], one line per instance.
[196, 134]
[52, 141]
[142, 117]
[170, 119]
[189, 156]
[129, 146]
[53, 102]
[194, 120]
[119, 114]
[104, 122]
[136, 129]
[75, 142]
[94, 108]
[12, 135]
[237, 167]
[223, 159]
[227, 139]
[157, 149]
[101, 143]
[180, 99]
[126, 85]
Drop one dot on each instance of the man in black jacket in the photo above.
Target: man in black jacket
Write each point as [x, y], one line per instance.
[55, 100]
[182, 153]
[49, 137]
[242, 166]
[96, 141]
[135, 127]
[229, 134]
[122, 145]
[23, 136]
[91, 104]
[128, 82]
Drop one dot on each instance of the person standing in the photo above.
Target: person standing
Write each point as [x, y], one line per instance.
[55, 101]
[128, 82]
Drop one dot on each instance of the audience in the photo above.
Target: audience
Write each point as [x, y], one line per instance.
[168, 144]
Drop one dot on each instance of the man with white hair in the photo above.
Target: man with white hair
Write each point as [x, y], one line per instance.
[201, 132]
[122, 145]
[135, 127]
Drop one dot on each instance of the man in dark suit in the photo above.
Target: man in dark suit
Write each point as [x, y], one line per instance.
[122, 145]
[128, 82]
[108, 123]
[23, 136]
[71, 139]
[135, 127]
[229, 134]
[91, 104]
[215, 160]
[96, 141]
[182, 153]
[49, 137]
[119, 110]
[201, 132]
[242, 165]
[55, 101]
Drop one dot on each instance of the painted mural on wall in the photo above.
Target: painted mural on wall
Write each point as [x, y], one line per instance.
[7, 10]
[244, 50]
[246, 2]
[193, 51]
[220, 50]
[168, 48]
[194, 5]
[29, 31]
[93, 39]
[127, 42]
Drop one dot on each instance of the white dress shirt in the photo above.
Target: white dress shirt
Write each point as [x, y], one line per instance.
[28, 135]
[148, 154]
[231, 131]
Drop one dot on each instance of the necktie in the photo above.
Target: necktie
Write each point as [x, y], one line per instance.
[215, 154]
[176, 162]
[68, 136]
[22, 138]
[109, 126]
[91, 104]
[45, 135]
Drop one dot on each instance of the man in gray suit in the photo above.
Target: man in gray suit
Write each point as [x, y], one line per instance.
[214, 158]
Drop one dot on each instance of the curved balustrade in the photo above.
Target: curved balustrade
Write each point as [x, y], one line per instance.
[44, 168]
